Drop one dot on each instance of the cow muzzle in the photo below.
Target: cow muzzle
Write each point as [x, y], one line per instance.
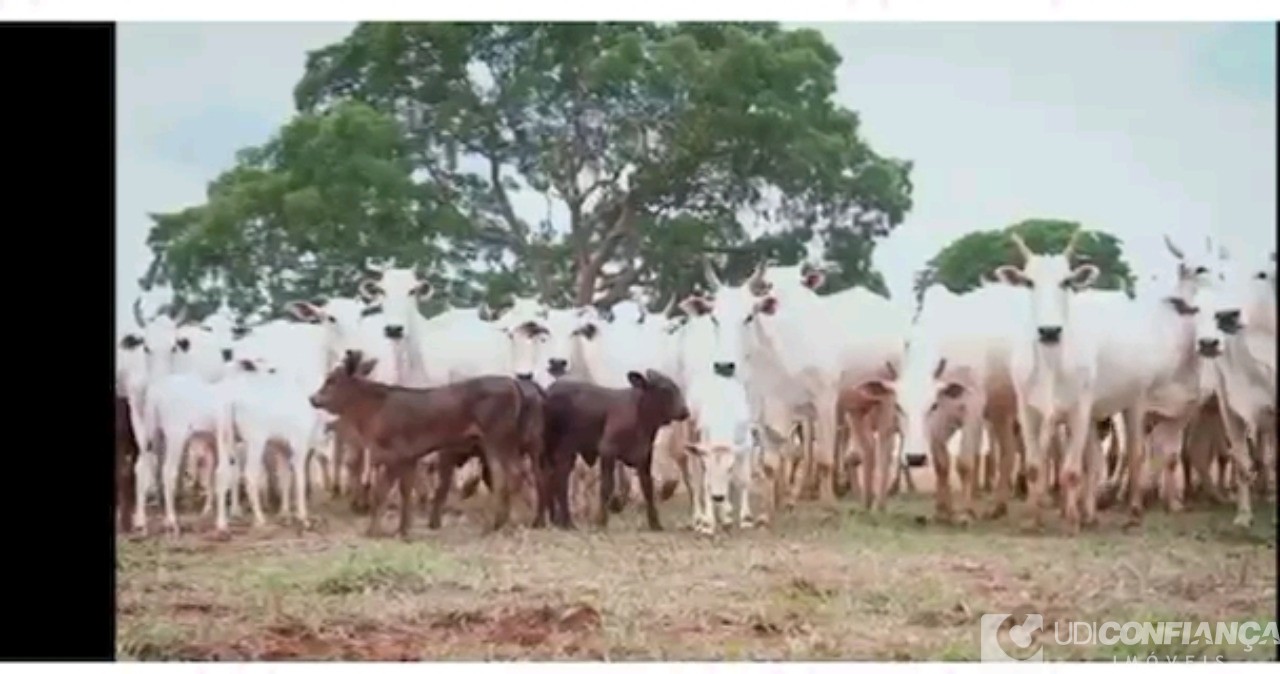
[1050, 334]
[1228, 321]
[724, 369]
[524, 376]
[557, 367]
[227, 355]
[1209, 347]
[393, 331]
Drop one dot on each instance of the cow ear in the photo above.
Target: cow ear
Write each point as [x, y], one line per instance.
[813, 279]
[876, 389]
[1010, 275]
[304, 311]
[768, 305]
[637, 380]
[423, 291]
[1083, 276]
[695, 305]
[366, 367]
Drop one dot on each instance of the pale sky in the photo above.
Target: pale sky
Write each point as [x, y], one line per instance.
[1136, 129]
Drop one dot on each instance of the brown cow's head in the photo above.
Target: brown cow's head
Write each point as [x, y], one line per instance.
[661, 401]
[339, 389]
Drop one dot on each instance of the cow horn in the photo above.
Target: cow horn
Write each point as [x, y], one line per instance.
[671, 304]
[375, 269]
[1021, 246]
[1071, 243]
[137, 312]
[180, 315]
[710, 272]
[1177, 252]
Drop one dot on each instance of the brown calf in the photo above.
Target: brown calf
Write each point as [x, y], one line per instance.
[616, 425]
[126, 455]
[400, 425]
[530, 445]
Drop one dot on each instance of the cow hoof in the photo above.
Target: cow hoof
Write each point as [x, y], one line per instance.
[172, 530]
[221, 535]
[999, 511]
[746, 523]
[1243, 520]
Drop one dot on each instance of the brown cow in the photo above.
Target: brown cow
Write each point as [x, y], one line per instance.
[583, 419]
[126, 455]
[401, 425]
[531, 439]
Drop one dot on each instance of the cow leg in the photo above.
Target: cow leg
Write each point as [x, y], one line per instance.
[210, 466]
[445, 467]
[564, 462]
[383, 478]
[339, 464]
[1236, 440]
[1005, 448]
[224, 482]
[743, 479]
[298, 460]
[646, 489]
[1136, 451]
[1094, 467]
[1078, 432]
[967, 462]
[622, 488]
[824, 443]
[607, 474]
[861, 435]
[254, 469]
[144, 474]
[500, 480]
[170, 469]
[1029, 424]
[666, 460]
[941, 477]
[1166, 443]
[404, 476]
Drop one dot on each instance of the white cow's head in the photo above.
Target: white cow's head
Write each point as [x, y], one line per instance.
[731, 312]
[339, 317]
[1052, 282]
[398, 290]
[1243, 298]
[525, 327]
[1197, 269]
[570, 331]
[159, 337]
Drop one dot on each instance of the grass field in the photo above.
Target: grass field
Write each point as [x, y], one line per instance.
[819, 585]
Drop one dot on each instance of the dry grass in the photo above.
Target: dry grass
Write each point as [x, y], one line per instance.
[820, 585]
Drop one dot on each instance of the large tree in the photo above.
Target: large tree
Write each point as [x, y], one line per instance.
[653, 141]
[962, 265]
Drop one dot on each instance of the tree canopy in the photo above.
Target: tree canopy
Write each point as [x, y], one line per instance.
[962, 264]
[651, 145]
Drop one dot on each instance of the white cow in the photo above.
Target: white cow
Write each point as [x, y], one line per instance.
[784, 335]
[1053, 366]
[1147, 369]
[454, 345]
[719, 407]
[956, 376]
[1235, 334]
[260, 405]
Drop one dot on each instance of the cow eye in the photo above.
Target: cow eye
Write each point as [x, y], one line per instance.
[1201, 270]
[750, 317]
[1260, 275]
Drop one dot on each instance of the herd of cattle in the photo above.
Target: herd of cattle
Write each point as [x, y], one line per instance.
[1018, 385]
